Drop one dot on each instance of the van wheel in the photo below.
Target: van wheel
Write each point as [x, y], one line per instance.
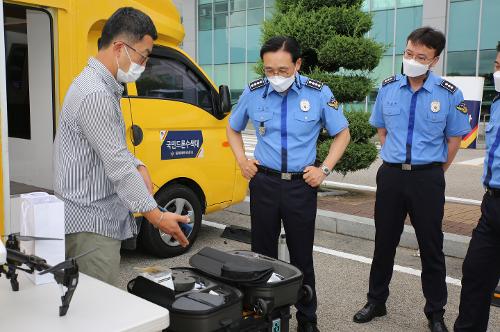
[177, 199]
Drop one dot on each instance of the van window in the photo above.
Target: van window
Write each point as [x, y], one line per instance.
[170, 79]
[16, 56]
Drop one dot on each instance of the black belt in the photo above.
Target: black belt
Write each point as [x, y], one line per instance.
[493, 192]
[409, 167]
[278, 174]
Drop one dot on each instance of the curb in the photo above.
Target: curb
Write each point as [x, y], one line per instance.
[340, 223]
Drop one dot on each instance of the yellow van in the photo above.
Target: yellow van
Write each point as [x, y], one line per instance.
[175, 116]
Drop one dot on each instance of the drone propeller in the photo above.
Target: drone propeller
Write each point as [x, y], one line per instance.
[67, 263]
[30, 238]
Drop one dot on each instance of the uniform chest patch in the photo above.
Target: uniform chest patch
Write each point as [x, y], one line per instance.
[305, 105]
[435, 106]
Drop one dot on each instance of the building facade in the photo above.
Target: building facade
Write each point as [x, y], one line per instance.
[225, 36]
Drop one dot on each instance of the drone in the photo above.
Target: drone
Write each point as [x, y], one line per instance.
[65, 273]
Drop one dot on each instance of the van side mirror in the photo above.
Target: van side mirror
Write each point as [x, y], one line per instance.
[225, 99]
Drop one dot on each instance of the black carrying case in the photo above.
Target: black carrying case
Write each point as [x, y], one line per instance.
[250, 303]
[250, 273]
[197, 310]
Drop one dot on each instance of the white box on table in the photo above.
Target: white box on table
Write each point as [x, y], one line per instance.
[42, 215]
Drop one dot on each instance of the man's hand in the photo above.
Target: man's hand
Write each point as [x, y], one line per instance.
[169, 224]
[314, 176]
[145, 176]
[248, 168]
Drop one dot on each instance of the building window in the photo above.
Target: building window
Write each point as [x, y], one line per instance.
[228, 38]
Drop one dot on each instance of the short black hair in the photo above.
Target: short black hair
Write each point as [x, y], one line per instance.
[287, 44]
[428, 37]
[129, 22]
[498, 47]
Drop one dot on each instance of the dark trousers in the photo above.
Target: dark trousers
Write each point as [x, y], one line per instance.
[419, 193]
[481, 269]
[295, 202]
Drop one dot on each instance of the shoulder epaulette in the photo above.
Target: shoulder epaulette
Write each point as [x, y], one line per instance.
[497, 97]
[448, 86]
[389, 80]
[254, 85]
[315, 84]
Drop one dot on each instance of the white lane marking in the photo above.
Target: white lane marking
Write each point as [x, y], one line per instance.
[472, 162]
[213, 224]
[366, 260]
[352, 257]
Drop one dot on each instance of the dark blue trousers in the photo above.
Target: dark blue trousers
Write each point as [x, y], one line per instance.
[481, 269]
[294, 202]
[420, 194]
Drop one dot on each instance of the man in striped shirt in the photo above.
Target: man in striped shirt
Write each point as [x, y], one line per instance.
[99, 180]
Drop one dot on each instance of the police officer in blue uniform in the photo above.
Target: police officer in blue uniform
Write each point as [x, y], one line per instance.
[420, 118]
[288, 111]
[481, 267]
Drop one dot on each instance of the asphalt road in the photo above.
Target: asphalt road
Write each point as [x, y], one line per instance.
[341, 282]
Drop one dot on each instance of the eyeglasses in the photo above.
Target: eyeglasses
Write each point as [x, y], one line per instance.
[420, 58]
[143, 57]
[280, 72]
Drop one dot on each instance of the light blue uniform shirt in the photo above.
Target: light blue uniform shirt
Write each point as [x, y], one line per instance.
[288, 125]
[419, 123]
[491, 176]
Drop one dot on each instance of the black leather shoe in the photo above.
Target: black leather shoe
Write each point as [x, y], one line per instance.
[369, 312]
[307, 327]
[437, 325]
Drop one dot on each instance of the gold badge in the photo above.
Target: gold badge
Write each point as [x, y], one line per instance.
[462, 107]
[333, 103]
[262, 130]
[435, 106]
[305, 106]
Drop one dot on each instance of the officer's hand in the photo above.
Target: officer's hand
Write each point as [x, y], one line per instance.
[249, 168]
[314, 176]
[170, 224]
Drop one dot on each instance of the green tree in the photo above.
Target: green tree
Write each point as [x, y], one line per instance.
[336, 51]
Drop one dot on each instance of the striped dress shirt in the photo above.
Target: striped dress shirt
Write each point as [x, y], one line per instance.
[94, 173]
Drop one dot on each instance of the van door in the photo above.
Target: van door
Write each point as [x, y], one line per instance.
[174, 116]
[30, 101]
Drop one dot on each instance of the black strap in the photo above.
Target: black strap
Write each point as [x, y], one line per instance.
[414, 167]
[278, 174]
[494, 192]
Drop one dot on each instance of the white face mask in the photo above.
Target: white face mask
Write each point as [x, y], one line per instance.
[134, 72]
[280, 83]
[413, 68]
[496, 78]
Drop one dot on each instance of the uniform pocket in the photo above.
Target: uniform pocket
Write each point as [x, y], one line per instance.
[436, 123]
[306, 116]
[391, 110]
[392, 117]
[262, 116]
[436, 117]
[262, 121]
